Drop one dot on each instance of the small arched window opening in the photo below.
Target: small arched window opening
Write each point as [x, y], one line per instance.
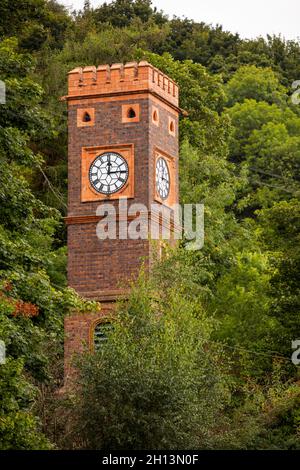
[86, 117]
[155, 116]
[131, 113]
[172, 127]
[101, 332]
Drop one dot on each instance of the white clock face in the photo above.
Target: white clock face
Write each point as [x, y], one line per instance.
[108, 173]
[162, 178]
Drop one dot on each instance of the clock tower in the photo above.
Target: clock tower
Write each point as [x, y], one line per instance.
[122, 145]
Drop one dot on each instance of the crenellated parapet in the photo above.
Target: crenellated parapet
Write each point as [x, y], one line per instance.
[114, 79]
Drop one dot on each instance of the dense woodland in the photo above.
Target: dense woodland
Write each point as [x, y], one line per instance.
[214, 370]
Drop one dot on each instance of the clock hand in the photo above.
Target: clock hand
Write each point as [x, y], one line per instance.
[108, 164]
[112, 172]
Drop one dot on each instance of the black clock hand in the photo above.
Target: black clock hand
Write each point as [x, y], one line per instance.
[112, 172]
[108, 164]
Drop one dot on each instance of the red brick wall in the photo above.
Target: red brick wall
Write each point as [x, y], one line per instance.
[159, 137]
[78, 335]
[102, 268]
[108, 130]
[95, 265]
[99, 265]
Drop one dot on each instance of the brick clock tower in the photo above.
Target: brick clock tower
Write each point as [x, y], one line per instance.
[123, 143]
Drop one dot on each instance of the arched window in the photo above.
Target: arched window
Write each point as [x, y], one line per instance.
[155, 116]
[86, 117]
[131, 113]
[172, 126]
[101, 331]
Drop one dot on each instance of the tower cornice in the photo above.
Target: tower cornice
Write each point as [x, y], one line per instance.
[129, 78]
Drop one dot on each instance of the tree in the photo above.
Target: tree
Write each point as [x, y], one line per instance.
[264, 139]
[31, 308]
[19, 428]
[280, 234]
[251, 82]
[155, 383]
[203, 98]
[120, 13]
[34, 22]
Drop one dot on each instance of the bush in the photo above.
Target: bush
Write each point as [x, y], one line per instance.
[155, 383]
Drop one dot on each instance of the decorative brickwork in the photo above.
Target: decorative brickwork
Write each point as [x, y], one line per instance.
[85, 117]
[88, 155]
[130, 113]
[155, 116]
[122, 79]
[172, 168]
[120, 100]
[172, 126]
[78, 332]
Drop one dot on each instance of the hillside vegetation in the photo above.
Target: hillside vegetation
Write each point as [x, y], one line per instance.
[215, 370]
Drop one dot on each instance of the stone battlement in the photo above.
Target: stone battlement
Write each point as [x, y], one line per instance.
[128, 78]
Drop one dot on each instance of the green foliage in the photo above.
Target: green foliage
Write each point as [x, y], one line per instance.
[202, 96]
[279, 405]
[239, 155]
[280, 233]
[218, 50]
[242, 300]
[159, 365]
[121, 13]
[19, 429]
[34, 22]
[265, 136]
[252, 115]
[31, 308]
[251, 82]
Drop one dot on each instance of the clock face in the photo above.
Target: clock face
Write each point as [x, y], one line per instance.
[108, 173]
[162, 178]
